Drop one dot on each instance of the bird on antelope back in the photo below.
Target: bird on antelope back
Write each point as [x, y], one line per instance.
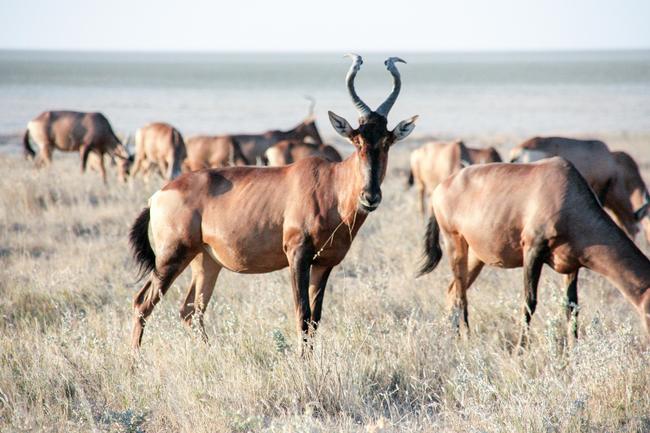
[261, 219]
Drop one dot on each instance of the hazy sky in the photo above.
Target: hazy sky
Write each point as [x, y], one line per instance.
[328, 25]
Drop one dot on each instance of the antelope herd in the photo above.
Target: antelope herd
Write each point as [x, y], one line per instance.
[563, 202]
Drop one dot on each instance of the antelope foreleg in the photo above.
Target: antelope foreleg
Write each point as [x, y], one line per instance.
[300, 257]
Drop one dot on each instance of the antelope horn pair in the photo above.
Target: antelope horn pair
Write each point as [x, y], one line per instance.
[362, 107]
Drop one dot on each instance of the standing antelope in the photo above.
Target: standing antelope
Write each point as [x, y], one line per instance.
[613, 176]
[261, 219]
[433, 162]
[71, 131]
[514, 215]
[289, 151]
[159, 145]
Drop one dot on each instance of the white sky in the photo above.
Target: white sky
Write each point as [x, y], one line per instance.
[330, 25]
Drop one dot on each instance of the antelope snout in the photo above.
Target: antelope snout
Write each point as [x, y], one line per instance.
[370, 200]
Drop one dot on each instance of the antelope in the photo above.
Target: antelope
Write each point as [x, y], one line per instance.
[288, 151]
[254, 145]
[204, 151]
[71, 131]
[159, 145]
[528, 215]
[254, 220]
[614, 177]
[630, 176]
[433, 162]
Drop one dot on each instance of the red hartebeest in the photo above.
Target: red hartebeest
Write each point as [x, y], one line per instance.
[613, 176]
[159, 145]
[289, 151]
[435, 161]
[261, 219]
[212, 151]
[72, 131]
[514, 215]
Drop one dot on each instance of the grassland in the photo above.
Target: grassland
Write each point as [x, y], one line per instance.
[385, 359]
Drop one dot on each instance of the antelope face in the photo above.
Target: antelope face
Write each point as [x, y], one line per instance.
[372, 140]
[123, 160]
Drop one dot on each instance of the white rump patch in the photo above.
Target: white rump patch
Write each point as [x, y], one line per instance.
[527, 155]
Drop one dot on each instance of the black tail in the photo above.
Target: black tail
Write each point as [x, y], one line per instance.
[27, 148]
[432, 251]
[411, 180]
[139, 238]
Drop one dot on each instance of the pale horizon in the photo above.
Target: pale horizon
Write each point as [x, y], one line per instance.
[290, 27]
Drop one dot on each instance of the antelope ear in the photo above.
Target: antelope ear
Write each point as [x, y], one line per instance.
[340, 125]
[404, 128]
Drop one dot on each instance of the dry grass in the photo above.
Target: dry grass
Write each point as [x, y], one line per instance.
[384, 360]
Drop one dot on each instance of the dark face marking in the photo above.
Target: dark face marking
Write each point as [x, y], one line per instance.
[372, 140]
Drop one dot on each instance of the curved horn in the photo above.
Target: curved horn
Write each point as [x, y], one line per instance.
[385, 107]
[312, 104]
[361, 106]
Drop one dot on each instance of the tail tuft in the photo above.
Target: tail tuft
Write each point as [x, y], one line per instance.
[432, 251]
[411, 179]
[27, 148]
[139, 239]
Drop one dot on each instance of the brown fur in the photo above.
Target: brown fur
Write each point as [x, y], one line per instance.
[261, 219]
[212, 152]
[527, 215]
[433, 162]
[71, 131]
[253, 146]
[243, 149]
[161, 146]
[613, 176]
[288, 151]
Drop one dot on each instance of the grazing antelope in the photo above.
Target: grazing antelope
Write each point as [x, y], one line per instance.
[288, 151]
[220, 151]
[205, 151]
[433, 162]
[630, 176]
[71, 131]
[255, 220]
[614, 177]
[253, 146]
[514, 215]
[159, 145]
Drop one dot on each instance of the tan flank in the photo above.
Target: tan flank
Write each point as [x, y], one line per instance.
[613, 176]
[435, 161]
[528, 215]
[289, 151]
[159, 146]
[212, 151]
[262, 219]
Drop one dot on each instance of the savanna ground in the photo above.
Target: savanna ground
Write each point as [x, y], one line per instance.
[384, 360]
